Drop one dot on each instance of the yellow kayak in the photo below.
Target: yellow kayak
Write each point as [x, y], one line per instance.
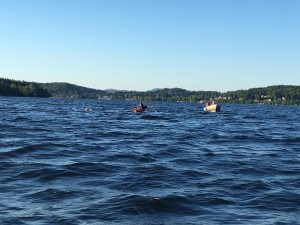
[212, 108]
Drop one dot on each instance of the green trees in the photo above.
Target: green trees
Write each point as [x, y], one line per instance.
[21, 88]
[66, 90]
[279, 94]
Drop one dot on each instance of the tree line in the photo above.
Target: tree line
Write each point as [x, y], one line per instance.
[278, 94]
[10, 87]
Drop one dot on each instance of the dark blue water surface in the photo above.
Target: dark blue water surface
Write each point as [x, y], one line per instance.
[173, 164]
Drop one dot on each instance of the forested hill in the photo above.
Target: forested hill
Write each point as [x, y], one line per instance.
[66, 90]
[279, 94]
[21, 88]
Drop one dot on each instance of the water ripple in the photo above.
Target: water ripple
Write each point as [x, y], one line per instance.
[173, 164]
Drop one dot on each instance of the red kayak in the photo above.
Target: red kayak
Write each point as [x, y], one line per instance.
[137, 110]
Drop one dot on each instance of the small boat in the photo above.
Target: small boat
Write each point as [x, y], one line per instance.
[212, 108]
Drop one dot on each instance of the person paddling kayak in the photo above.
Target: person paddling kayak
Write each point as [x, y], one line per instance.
[140, 108]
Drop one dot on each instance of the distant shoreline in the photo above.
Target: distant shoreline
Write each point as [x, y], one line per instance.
[276, 95]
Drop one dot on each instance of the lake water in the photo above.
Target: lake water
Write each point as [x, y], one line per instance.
[173, 164]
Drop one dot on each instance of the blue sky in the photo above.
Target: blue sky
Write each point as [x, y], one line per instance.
[143, 44]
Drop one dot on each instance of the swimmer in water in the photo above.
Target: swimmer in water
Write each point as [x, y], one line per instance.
[88, 109]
